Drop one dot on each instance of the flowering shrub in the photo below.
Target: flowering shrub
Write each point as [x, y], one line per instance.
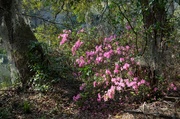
[107, 68]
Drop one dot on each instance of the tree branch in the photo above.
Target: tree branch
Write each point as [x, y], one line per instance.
[45, 20]
[129, 24]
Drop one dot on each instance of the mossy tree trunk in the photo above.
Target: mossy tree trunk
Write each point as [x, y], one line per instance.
[17, 36]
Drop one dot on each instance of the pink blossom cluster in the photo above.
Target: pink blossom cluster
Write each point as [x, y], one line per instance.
[64, 36]
[172, 86]
[116, 70]
[108, 54]
[76, 46]
[121, 84]
[82, 86]
[81, 61]
[101, 52]
[109, 39]
[81, 31]
[110, 93]
[77, 97]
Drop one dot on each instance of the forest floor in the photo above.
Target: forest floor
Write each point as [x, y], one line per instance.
[58, 104]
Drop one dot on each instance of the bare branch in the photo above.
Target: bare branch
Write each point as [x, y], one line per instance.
[45, 20]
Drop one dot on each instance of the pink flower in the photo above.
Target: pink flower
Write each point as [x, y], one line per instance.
[116, 71]
[172, 85]
[106, 40]
[99, 60]
[135, 87]
[81, 31]
[113, 80]
[139, 83]
[64, 38]
[111, 92]
[90, 54]
[108, 72]
[127, 47]
[99, 97]
[138, 63]
[143, 81]
[116, 66]
[109, 39]
[78, 43]
[126, 66]
[76, 46]
[132, 59]
[82, 86]
[98, 48]
[118, 50]
[175, 88]
[135, 78]
[126, 81]
[121, 59]
[122, 84]
[131, 84]
[77, 97]
[81, 61]
[94, 84]
[118, 88]
[123, 48]
[116, 43]
[100, 54]
[96, 74]
[104, 76]
[108, 54]
[119, 79]
[107, 83]
[67, 31]
[155, 89]
[105, 79]
[109, 46]
[105, 98]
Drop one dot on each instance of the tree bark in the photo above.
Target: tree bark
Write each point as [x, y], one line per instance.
[155, 24]
[17, 36]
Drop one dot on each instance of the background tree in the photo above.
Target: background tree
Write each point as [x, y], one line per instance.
[18, 38]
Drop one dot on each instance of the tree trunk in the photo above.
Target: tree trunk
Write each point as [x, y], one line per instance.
[17, 36]
[155, 24]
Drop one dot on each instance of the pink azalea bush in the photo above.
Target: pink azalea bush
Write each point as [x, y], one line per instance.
[107, 69]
